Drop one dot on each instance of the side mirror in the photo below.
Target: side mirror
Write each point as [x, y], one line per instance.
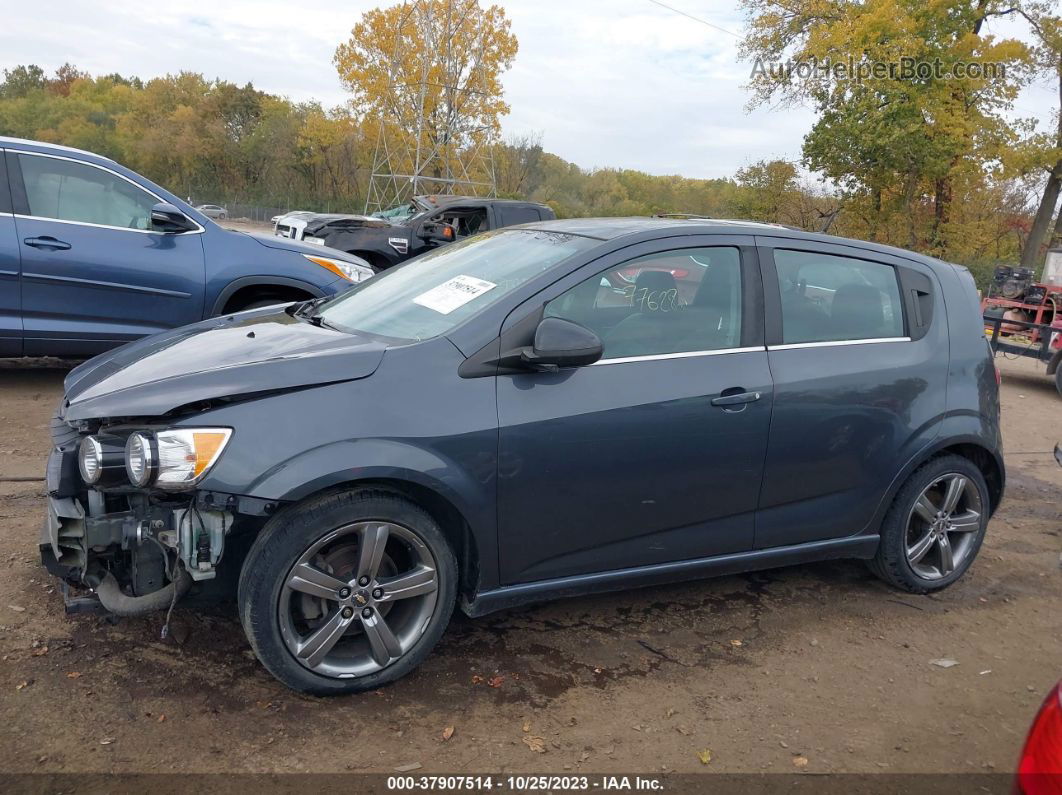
[562, 343]
[437, 232]
[167, 218]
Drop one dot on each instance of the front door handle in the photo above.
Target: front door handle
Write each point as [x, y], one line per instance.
[735, 396]
[46, 242]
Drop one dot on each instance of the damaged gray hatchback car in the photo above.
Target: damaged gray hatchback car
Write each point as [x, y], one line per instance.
[540, 411]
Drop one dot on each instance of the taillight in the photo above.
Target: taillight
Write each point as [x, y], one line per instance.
[1040, 766]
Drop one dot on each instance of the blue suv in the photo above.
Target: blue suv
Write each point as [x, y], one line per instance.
[92, 255]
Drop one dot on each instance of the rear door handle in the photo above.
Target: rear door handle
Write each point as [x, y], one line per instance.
[735, 397]
[46, 242]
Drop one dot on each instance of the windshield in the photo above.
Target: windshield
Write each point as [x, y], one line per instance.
[435, 292]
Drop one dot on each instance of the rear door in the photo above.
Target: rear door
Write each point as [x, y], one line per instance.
[859, 355]
[10, 298]
[94, 272]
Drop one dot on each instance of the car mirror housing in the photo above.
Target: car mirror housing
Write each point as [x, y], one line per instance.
[562, 343]
[167, 218]
[437, 232]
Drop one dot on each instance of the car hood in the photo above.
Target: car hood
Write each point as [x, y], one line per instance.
[314, 250]
[265, 350]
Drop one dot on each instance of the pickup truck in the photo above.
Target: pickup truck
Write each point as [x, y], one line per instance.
[393, 237]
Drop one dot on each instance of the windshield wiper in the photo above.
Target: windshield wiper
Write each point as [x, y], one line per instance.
[300, 309]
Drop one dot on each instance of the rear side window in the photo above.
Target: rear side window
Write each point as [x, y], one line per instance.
[71, 191]
[510, 216]
[826, 298]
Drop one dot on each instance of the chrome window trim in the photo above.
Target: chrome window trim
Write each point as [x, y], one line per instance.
[835, 343]
[681, 355]
[199, 227]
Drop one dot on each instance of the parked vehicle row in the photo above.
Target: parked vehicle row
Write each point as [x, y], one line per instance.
[533, 412]
[395, 235]
[92, 255]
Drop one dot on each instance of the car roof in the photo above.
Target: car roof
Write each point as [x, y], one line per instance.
[444, 199]
[615, 228]
[19, 143]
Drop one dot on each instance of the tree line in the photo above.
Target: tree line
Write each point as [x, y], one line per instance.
[216, 141]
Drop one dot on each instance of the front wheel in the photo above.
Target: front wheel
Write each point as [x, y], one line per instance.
[347, 591]
[935, 526]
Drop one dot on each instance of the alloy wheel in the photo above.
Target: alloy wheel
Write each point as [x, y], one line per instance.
[942, 526]
[358, 599]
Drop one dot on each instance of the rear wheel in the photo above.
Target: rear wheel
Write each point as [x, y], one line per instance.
[1058, 378]
[347, 592]
[935, 526]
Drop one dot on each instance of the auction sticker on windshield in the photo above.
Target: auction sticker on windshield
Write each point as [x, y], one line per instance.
[453, 294]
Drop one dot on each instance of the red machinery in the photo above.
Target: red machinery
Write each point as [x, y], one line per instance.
[1025, 318]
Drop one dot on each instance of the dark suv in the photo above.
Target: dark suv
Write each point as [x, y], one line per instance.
[540, 411]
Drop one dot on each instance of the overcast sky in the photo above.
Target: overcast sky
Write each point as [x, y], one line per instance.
[621, 83]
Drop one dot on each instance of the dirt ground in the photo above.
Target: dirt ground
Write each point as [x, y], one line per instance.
[822, 663]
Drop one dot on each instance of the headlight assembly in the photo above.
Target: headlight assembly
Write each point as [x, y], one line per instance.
[174, 459]
[100, 460]
[350, 271]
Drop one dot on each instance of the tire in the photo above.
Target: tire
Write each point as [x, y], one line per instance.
[1058, 378]
[904, 530]
[270, 609]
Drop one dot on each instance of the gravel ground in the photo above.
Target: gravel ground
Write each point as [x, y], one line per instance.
[813, 669]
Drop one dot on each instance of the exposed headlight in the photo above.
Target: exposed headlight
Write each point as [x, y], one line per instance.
[348, 270]
[317, 241]
[90, 460]
[174, 459]
[100, 460]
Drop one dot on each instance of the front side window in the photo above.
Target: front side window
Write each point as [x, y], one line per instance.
[435, 292]
[826, 298]
[71, 191]
[677, 301]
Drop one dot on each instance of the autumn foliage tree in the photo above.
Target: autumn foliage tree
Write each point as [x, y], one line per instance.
[430, 69]
[907, 149]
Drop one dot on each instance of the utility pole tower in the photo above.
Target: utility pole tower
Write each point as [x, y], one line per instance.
[427, 147]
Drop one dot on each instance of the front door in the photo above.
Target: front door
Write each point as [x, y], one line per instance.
[655, 453]
[94, 272]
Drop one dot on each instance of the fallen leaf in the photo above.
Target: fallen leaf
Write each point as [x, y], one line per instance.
[527, 726]
[477, 679]
[800, 761]
[944, 663]
[705, 756]
[495, 681]
[162, 718]
[735, 643]
[597, 670]
[17, 608]
[106, 741]
[670, 711]
[536, 744]
[74, 675]
[986, 671]
[40, 652]
[448, 732]
[21, 685]
[407, 767]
